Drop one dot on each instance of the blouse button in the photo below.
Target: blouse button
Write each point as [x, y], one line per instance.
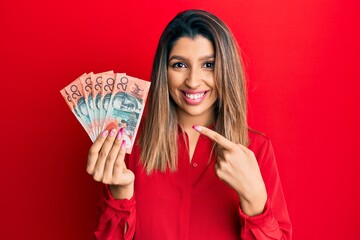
[194, 164]
[122, 206]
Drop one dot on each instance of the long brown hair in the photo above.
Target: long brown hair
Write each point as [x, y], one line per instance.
[158, 140]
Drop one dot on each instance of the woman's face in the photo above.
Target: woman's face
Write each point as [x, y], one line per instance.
[191, 76]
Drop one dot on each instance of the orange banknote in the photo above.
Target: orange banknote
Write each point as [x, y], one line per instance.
[100, 99]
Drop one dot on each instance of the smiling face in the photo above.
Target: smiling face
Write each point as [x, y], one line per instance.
[191, 79]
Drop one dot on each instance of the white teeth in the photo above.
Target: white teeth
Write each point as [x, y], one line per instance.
[194, 96]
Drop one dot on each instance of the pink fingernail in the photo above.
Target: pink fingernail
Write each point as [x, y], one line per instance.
[119, 136]
[123, 144]
[197, 128]
[105, 133]
[112, 132]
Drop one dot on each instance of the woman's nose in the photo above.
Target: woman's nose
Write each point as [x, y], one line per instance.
[193, 79]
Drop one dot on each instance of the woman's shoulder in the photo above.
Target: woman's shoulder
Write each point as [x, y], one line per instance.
[258, 140]
[261, 146]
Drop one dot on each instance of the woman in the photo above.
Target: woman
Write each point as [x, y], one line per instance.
[200, 172]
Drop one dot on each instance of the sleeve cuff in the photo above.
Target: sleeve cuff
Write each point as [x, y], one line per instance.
[257, 221]
[118, 204]
[262, 226]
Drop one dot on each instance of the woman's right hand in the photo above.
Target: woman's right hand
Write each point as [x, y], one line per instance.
[106, 163]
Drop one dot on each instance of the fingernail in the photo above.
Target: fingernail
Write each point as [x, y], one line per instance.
[105, 133]
[119, 136]
[112, 132]
[197, 128]
[123, 144]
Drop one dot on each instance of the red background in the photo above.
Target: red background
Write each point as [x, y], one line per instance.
[301, 58]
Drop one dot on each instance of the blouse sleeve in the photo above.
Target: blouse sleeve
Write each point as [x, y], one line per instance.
[116, 218]
[274, 222]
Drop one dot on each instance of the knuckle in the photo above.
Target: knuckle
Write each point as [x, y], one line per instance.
[96, 177]
[92, 152]
[121, 154]
[233, 147]
[98, 170]
[117, 142]
[98, 174]
[106, 180]
[102, 154]
[218, 173]
[90, 170]
[216, 137]
[109, 140]
[221, 164]
[227, 155]
[224, 166]
[110, 157]
[117, 165]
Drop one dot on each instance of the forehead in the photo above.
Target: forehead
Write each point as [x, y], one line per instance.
[192, 47]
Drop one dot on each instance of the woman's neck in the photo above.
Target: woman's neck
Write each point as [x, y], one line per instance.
[186, 121]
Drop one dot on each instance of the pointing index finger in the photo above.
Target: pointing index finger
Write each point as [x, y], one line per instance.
[216, 137]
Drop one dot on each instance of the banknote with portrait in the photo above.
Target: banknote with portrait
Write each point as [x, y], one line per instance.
[100, 99]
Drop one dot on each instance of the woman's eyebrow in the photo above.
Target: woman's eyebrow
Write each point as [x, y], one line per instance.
[177, 57]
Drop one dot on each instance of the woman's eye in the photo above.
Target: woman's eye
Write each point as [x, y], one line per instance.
[178, 65]
[209, 65]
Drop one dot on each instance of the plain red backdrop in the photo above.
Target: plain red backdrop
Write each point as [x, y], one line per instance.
[301, 58]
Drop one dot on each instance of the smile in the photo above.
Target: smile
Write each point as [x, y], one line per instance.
[194, 98]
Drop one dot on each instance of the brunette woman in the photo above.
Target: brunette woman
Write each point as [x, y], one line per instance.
[197, 171]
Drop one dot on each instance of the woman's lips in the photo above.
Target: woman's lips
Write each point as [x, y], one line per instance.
[194, 98]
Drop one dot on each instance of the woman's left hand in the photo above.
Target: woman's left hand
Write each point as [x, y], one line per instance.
[239, 168]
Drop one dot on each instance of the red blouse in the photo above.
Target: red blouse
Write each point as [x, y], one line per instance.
[193, 203]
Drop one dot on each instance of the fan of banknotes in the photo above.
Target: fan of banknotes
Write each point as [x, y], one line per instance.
[98, 100]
